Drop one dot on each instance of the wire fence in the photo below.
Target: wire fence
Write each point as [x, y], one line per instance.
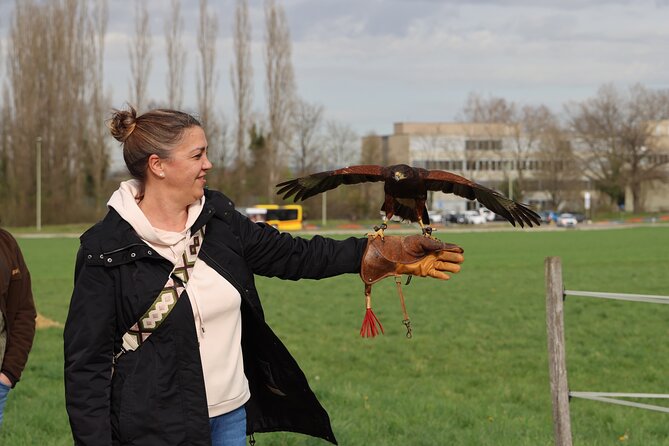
[560, 393]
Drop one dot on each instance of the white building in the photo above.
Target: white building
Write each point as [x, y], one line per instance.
[499, 156]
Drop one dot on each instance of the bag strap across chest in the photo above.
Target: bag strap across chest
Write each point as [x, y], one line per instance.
[163, 304]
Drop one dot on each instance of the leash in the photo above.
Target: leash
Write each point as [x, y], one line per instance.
[406, 321]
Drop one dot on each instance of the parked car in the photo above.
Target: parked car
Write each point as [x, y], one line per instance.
[498, 217]
[545, 216]
[487, 213]
[451, 217]
[435, 217]
[548, 216]
[566, 220]
[580, 218]
[473, 218]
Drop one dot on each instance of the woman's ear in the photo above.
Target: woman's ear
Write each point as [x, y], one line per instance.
[155, 166]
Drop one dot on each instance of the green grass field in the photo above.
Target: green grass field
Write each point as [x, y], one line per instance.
[475, 372]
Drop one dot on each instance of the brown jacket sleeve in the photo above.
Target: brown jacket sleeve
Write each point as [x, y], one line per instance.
[18, 307]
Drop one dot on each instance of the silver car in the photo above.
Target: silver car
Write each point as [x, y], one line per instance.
[566, 221]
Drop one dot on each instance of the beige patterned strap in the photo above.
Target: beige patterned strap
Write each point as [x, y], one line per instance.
[167, 298]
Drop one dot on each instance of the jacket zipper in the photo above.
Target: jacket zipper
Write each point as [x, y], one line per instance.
[227, 276]
[223, 272]
[124, 248]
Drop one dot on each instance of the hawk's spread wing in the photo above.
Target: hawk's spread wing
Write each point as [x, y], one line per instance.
[451, 183]
[316, 183]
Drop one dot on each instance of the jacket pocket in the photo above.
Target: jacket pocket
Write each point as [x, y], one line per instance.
[268, 378]
[123, 398]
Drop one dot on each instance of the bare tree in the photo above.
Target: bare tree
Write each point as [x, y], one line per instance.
[140, 56]
[97, 161]
[22, 107]
[486, 110]
[527, 130]
[225, 142]
[521, 126]
[342, 144]
[207, 77]
[617, 132]
[241, 77]
[307, 149]
[50, 71]
[5, 149]
[280, 88]
[365, 201]
[5, 118]
[492, 115]
[176, 56]
[559, 174]
[258, 161]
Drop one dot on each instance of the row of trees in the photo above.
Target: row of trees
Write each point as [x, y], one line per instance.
[612, 139]
[623, 146]
[55, 91]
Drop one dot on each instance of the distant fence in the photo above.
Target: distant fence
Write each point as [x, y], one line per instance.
[555, 295]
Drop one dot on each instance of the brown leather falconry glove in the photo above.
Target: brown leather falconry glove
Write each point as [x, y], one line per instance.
[415, 255]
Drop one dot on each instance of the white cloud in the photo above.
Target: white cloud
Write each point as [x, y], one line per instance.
[374, 62]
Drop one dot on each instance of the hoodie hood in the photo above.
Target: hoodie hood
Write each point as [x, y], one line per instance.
[124, 201]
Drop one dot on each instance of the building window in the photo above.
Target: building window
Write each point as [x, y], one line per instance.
[440, 164]
[459, 165]
[483, 144]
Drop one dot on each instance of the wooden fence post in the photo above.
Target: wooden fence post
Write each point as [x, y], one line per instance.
[557, 361]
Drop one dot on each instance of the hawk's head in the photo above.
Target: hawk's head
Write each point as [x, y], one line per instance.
[398, 176]
[402, 172]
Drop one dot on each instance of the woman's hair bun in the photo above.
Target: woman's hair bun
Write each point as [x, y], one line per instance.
[122, 123]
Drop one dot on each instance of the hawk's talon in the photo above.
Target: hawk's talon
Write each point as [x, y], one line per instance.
[427, 232]
[378, 231]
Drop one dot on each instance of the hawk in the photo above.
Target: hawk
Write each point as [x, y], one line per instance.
[406, 190]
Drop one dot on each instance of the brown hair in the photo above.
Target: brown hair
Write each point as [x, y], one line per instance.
[154, 132]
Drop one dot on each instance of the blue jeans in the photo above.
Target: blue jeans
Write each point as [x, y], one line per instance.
[229, 429]
[4, 391]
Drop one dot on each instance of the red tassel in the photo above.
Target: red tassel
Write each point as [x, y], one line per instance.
[369, 323]
[368, 329]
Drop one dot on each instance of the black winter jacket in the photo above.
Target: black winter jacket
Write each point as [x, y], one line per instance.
[156, 395]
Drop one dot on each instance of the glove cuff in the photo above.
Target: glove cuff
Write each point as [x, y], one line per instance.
[375, 263]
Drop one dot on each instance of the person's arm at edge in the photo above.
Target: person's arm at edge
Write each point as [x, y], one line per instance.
[21, 311]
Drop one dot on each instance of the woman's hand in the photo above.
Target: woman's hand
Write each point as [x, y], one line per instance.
[5, 380]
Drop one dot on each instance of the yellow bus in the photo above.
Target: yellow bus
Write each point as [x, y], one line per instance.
[285, 217]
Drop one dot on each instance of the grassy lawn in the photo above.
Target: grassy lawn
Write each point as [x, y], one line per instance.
[475, 372]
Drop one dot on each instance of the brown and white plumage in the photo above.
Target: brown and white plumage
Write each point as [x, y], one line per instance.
[406, 190]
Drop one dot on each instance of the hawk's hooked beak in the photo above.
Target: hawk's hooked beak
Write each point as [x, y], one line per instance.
[399, 176]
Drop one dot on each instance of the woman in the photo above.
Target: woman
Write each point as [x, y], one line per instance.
[165, 340]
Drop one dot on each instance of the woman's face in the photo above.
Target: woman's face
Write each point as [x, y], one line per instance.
[187, 166]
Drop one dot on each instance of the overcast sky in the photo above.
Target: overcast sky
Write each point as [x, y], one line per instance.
[371, 63]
